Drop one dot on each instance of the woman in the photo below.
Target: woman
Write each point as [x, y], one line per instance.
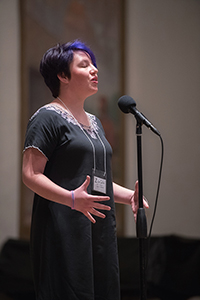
[67, 163]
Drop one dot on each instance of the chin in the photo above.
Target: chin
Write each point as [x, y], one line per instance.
[94, 91]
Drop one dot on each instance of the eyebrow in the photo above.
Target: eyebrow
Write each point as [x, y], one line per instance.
[85, 60]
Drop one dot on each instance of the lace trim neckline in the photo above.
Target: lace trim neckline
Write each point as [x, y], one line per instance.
[65, 110]
[91, 129]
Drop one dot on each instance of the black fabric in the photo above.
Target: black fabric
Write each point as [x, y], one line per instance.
[173, 271]
[15, 270]
[129, 266]
[72, 258]
[173, 267]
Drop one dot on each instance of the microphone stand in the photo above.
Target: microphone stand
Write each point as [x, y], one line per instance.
[141, 224]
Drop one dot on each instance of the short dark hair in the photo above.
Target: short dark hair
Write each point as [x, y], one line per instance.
[57, 61]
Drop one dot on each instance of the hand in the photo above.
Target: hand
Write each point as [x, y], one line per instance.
[135, 201]
[88, 204]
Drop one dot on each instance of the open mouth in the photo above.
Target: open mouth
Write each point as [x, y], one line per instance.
[95, 79]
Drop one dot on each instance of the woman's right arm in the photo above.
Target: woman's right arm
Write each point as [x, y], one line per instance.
[33, 166]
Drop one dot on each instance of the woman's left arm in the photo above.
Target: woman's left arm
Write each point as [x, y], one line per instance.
[127, 196]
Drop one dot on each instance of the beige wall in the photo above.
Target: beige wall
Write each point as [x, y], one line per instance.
[163, 77]
[9, 119]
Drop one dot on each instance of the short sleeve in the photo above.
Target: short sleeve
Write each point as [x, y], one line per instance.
[42, 132]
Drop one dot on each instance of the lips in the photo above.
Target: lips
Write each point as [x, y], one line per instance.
[95, 79]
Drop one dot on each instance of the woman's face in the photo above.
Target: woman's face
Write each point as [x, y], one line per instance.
[84, 79]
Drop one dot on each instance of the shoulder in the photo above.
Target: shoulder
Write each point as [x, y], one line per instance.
[50, 114]
[46, 120]
[44, 130]
[46, 111]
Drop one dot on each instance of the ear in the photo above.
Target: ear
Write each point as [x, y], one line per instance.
[63, 78]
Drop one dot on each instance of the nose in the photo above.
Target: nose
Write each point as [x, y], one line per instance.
[93, 70]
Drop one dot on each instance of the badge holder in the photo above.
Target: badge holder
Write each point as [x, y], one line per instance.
[99, 182]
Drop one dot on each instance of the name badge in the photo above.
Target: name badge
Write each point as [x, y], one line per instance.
[98, 182]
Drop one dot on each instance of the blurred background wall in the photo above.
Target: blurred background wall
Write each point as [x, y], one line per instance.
[163, 76]
[161, 72]
[10, 104]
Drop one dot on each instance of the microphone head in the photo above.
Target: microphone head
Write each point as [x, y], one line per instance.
[125, 103]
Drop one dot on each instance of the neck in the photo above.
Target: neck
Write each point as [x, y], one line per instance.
[72, 99]
[76, 109]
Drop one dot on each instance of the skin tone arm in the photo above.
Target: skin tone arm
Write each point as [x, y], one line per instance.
[127, 196]
[33, 166]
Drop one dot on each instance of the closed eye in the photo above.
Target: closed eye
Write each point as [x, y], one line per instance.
[84, 64]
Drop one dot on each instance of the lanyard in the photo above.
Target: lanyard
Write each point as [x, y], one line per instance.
[93, 147]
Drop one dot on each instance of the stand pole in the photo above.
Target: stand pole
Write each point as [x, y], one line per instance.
[141, 224]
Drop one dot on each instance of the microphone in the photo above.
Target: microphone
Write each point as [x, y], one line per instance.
[128, 105]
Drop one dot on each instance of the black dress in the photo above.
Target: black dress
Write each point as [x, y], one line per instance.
[72, 258]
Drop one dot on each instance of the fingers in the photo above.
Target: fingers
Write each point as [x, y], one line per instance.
[89, 216]
[135, 217]
[99, 198]
[95, 198]
[94, 212]
[97, 213]
[145, 202]
[86, 182]
[101, 206]
[89, 204]
[136, 186]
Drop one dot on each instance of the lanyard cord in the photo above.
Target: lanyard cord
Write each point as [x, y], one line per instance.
[104, 150]
[93, 147]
